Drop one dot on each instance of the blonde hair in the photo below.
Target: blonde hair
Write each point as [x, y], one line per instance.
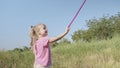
[34, 33]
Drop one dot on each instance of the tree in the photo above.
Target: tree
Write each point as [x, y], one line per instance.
[77, 35]
[102, 28]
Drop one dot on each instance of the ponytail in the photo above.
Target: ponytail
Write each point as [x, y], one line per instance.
[33, 36]
[34, 33]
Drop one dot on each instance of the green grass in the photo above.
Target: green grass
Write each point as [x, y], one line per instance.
[96, 54]
[10, 59]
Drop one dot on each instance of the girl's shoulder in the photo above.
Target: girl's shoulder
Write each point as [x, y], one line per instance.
[46, 38]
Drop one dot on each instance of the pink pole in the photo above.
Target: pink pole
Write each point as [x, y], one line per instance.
[76, 13]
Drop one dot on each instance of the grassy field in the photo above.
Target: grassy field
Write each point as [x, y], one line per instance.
[96, 54]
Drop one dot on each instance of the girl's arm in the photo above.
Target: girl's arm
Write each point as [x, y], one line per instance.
[53, 39]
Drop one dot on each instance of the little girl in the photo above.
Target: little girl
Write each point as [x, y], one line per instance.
[40, 45]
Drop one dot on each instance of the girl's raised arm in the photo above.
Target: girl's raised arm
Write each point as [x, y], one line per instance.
[53, 39]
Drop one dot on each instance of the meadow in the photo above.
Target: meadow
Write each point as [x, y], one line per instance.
[94, 54]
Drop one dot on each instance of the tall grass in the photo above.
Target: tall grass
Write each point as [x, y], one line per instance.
[15, 59]
[95, 54]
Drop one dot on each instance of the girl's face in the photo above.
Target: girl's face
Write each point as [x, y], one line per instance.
[43, 31]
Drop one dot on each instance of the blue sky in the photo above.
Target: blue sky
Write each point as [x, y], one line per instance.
[16, 16]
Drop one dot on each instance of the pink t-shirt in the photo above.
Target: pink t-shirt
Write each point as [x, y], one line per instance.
[42, 52]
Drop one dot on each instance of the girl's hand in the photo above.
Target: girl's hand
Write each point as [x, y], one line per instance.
[67, 30]
[60, 35]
